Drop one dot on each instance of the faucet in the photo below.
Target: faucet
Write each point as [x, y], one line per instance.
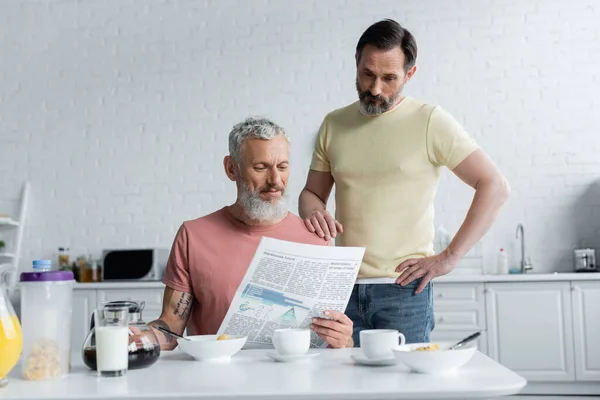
[525, 263]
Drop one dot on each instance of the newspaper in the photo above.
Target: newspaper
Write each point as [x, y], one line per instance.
[286, 285]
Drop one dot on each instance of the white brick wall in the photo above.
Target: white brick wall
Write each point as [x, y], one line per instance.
[118, 111]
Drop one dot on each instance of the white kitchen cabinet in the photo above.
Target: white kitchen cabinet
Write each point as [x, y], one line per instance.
[459, 310]
[586, 327]
[530, 329]
[84, 303]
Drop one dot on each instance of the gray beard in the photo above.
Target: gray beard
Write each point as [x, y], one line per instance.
[258, 209]
[370, 108]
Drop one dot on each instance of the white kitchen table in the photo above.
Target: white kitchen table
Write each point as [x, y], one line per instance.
[252, 375]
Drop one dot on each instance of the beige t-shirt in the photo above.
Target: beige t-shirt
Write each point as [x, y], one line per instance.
[386, 170]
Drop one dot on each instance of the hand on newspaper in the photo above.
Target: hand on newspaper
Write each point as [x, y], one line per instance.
[323, 224]
[336, 329]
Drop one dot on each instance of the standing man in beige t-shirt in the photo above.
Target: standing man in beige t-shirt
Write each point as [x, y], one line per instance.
[385, 154]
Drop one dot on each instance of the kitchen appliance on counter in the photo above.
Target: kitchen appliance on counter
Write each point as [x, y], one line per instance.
[134, 264]
[585, 260]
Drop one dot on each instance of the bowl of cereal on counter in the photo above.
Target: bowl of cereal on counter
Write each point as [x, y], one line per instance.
[212, 347]
[434, 358]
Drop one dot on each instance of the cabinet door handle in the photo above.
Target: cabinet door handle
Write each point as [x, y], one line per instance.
[441, 295]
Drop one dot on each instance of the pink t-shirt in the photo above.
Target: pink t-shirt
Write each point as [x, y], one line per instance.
[210, 256]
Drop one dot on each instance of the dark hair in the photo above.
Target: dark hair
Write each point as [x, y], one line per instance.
[387, 34]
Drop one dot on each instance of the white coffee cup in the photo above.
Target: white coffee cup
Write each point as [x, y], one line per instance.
[291, 342]
[377, 344]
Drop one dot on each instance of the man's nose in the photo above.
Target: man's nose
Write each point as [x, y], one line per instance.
[274, 178]
[375, 88]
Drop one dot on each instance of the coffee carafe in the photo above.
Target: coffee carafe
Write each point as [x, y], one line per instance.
[144, 348]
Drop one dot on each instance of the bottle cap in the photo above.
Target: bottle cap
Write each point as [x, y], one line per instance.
[37, 264]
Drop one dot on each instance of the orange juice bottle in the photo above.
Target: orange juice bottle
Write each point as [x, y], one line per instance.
[11, 338]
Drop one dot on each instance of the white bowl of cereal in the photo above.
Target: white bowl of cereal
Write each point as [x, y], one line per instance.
[434, 358]
[212, 347]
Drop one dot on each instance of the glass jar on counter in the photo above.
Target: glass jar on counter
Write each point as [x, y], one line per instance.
[89, 271]
[63, 259]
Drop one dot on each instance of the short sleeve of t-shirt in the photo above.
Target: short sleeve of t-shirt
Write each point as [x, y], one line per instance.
[320, 162]
[448, 144]
[177, 273]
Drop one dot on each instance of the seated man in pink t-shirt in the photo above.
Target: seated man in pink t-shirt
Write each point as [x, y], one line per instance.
[210, 255]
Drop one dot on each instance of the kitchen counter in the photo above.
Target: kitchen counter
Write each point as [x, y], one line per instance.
[451, 278]
[252, 375]
[120, 285]
[529, 277]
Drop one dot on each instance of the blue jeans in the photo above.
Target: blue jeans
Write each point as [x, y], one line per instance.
[391, 306]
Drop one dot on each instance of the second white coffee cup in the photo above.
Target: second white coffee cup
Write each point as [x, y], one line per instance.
[377, 344]
[291, 342]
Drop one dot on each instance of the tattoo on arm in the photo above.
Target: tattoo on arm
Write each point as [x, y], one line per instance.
[163, 324]
[183, 306]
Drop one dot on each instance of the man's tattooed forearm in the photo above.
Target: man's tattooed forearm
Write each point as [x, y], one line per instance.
[183, 306]
[163, 324]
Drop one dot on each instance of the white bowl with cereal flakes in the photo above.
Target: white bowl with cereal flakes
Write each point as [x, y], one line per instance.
[212, 347]
[434, 358]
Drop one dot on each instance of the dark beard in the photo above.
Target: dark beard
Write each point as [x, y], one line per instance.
[368, 102]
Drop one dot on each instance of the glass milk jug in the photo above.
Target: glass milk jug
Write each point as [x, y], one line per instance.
[46, 310]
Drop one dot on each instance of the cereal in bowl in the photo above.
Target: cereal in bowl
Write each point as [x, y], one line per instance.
[431, 347]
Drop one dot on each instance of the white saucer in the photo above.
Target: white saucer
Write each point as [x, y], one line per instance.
[281, 358]
[363, 360]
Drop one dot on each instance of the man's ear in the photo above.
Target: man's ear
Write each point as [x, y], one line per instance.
[410, 73]
[229, 166]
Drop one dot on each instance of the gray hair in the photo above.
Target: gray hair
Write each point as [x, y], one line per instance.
[252, 128]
